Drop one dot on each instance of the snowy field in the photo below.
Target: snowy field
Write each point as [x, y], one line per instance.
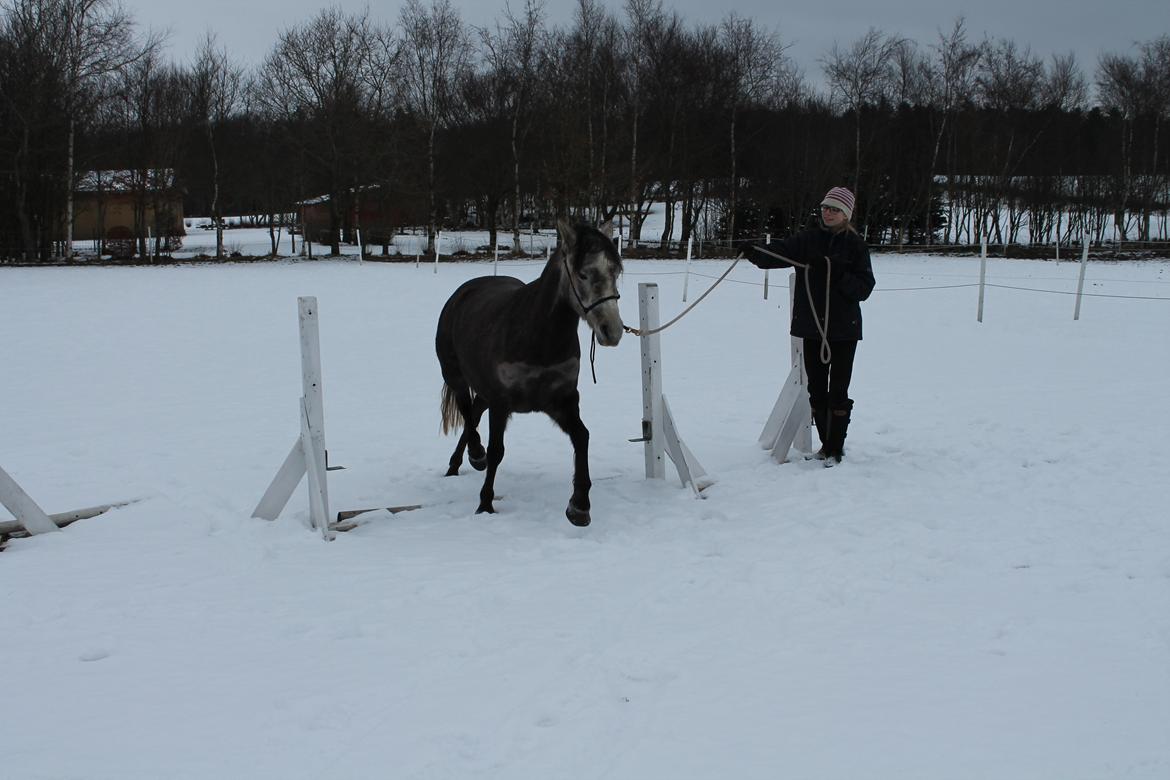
[981, 590]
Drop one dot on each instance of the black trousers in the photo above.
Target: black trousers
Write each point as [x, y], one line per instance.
[829, 384]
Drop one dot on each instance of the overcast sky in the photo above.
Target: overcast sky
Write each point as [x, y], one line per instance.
[248, 28]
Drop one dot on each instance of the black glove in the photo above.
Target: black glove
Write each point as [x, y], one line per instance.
[817, 263]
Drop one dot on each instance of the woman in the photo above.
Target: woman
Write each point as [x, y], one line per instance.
[833, 276]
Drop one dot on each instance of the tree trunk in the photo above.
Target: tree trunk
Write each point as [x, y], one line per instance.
[433, 211]
[734, 188]
[69, 189]
[216, 217]
[635, 224]
[515, 184]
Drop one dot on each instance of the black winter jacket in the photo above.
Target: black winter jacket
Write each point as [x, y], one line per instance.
[851, 279]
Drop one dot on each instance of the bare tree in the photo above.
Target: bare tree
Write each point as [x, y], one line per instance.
[1121, 87]
[514, 53]
[435, 56]
[216, 95]
[752, 59]
[329, 82]
[952, 85]
[644, 18]
[860, 77]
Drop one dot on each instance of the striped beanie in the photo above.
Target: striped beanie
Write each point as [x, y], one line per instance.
[841, 198]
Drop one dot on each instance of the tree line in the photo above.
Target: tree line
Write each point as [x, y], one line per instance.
[946, 141]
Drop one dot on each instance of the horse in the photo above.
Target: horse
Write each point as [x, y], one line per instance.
[505, 346]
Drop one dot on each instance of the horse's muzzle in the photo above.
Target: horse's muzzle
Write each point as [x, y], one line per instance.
[609, 332]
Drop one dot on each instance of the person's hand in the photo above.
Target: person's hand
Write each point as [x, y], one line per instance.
[817, 263]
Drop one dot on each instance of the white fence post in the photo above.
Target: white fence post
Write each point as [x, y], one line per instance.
[1081, 278]
[982, 277]
[361, 245]
[496, 261]
[438, 239]
[308, 454]
[687, 274]
[767, 240]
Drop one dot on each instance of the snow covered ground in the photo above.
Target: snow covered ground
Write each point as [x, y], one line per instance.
[982, 589]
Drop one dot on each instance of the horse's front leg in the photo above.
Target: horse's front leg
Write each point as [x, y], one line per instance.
[497, 422]
[569, 419]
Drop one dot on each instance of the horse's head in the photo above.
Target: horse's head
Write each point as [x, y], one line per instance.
[592, 267]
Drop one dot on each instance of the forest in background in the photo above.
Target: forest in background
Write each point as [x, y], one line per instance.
[948, 141]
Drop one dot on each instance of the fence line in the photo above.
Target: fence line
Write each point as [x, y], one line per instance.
[967, 284]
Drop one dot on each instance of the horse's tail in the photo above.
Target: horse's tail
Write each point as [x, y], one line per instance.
[449, 410]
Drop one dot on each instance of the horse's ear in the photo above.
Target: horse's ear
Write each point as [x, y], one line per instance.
[606, 228]
[567, 234]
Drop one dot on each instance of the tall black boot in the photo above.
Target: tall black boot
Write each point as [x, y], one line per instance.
[839, 415]
[820, 418]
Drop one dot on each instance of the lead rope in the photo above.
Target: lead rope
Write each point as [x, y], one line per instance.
[822, 328]
[685, 311]
[826, 354]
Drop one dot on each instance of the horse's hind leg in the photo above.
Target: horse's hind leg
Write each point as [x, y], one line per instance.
[476, 455]
[569, 419]
[497, 422]
[471, 411]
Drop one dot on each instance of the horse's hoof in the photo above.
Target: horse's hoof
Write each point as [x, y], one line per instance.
[453, 471]
[479, 464]
[485, 510]
[578, 517]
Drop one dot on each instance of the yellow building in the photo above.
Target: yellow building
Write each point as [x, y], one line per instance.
[126, 205]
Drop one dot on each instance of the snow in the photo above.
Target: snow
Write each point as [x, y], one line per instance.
[982, 588]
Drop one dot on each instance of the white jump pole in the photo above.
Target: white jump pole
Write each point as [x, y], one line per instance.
[496, 260]
[1081, 278]
[982, 277]
[361, 245]
[438, 239]
[687, 274]
[307, 455]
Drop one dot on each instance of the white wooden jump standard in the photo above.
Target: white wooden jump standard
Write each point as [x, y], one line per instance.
[790, 423]
[23, 508]
[31, 519]
[659, 433]
[307, 455]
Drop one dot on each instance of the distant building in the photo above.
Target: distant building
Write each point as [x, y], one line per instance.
[126, 205]
[376, 211]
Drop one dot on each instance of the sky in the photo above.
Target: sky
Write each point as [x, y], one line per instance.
[250, 29]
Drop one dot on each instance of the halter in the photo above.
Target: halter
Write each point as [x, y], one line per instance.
[569, 277]
[585, 310]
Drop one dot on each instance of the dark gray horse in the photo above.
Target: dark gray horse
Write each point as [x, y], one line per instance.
[505, 346]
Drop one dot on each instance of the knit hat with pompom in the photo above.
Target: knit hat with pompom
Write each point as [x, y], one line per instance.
[840, 198]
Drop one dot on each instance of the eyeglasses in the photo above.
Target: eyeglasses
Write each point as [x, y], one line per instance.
[832, 209]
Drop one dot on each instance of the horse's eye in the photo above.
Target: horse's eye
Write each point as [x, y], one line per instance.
[582, 275]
